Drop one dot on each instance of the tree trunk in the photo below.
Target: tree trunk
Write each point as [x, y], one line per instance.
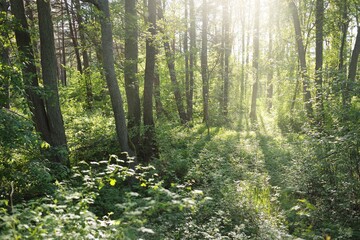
[243, 57]
[302, 59]
[255, 63]
[29, 72]
[5, 62]
[227, 52]
[74, 38]
[204, 63]
[348, 91]
[157, 95]
[170, 59]
[85, 55]
[130, 71]
[49, 66]
[344, 30]
[192, 58]
[63, 52]
[187, 72]
[110, 75]
[149, 125]
[270, 75]
[319, 59]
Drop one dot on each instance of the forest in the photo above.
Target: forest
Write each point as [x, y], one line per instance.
[179, 119]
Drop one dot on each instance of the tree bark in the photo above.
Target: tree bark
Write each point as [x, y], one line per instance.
[227, 52]
[204, 63]
[29, 72]
[170, 59]
[255, 63]
[302, 59]
[85, 55]
[192, 57]
[130, 71]
[319, 59]
[243, 58]
[344, 30]
[74, 39]
[49, 66]
[270, 74]
[110, 75]
[150, 149]
[157, 95]
[187, 71]
[348, 91]
[63, 76]
[5, 61]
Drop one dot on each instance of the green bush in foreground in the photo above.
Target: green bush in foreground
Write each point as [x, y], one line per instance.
[67, 214]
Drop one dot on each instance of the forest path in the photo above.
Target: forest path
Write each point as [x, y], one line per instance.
[244, 172]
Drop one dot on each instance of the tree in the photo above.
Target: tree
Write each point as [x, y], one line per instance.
[170, 59]
[187, 72]
[344, 29]
[192, 58]
[130, 71]
[319, 58]
[270, 85]
[62, 67]
[302, 58]
[349, 87]
[150, 76]
[243, 58]
[204, 63]
[4, 60]
[74, 38]
[85, 55]
[49, 76]
[110, 75]
[227, 52]
[26, 55]
[255, 63]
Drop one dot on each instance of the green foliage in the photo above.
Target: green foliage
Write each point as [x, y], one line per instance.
[229, 169]
[68, 212]
[20, 161]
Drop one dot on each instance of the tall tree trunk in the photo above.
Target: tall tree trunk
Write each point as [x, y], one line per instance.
[255, 63]
[5, 62]
[63, 52]
[270, 75]
[149, 141]
[192, 58]
[187, 72]
[157, 95]
[204, 63]
[29, 72]
[344, 30]
[319, 59]
[302, 59]
[243, 57]
[74, 38]
[348, 91]
[227, 52]
[49, 66]
[85, 55]
[130, 71]
[170, 59]
[110, 75]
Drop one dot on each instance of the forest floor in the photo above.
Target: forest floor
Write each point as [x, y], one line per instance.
[249, 173]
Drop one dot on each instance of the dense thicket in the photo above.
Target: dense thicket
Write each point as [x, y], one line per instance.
[241, 119]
